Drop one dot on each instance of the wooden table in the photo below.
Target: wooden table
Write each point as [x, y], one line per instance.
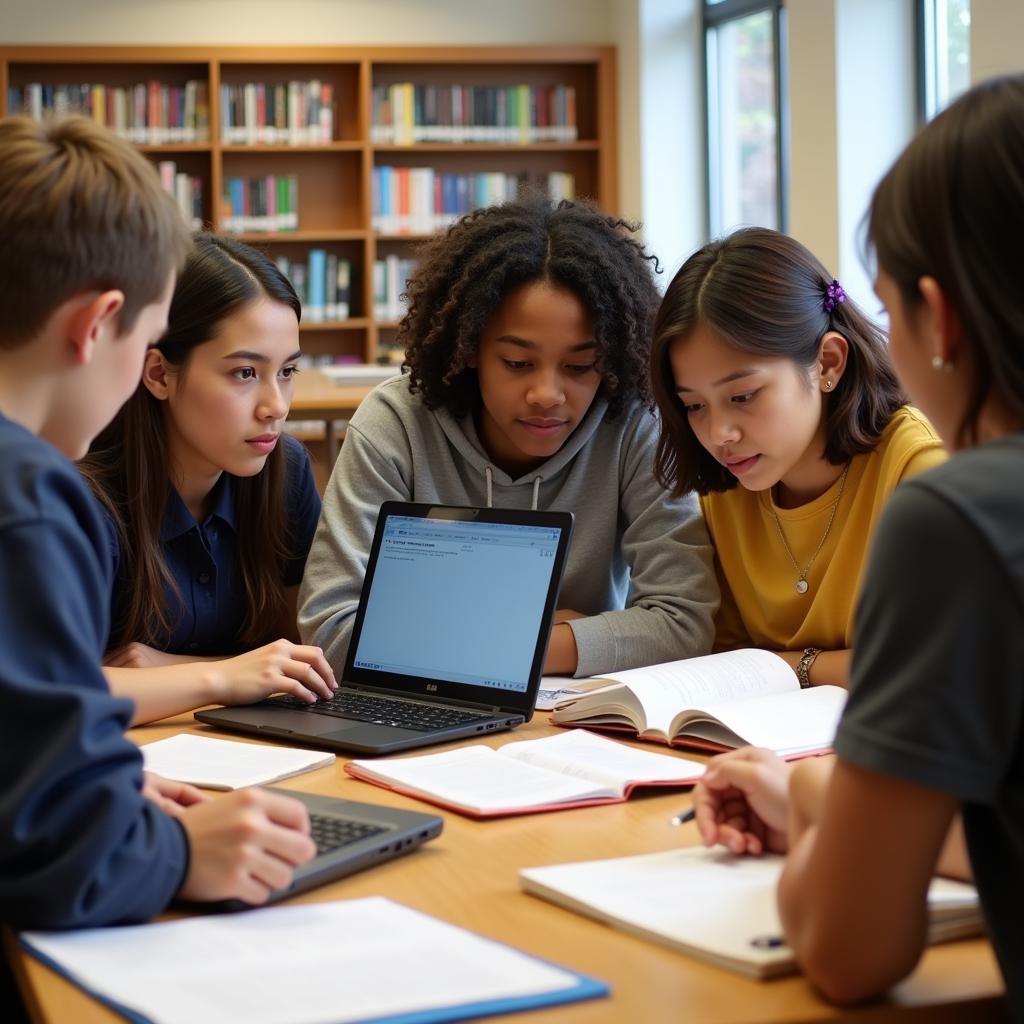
[469, 877]
[317, 397]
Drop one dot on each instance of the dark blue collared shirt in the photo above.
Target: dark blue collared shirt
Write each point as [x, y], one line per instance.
[79, 845]
[208, 612]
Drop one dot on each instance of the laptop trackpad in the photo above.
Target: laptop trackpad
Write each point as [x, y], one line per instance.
[310, 724]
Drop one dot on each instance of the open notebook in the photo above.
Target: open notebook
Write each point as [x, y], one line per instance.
[712, 905]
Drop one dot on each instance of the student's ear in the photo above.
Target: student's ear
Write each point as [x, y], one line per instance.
[832, 353]
[88, 323]
[939, 322]
[154, 374]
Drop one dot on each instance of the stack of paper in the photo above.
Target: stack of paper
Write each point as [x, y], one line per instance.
[355, 960]
[224, 764]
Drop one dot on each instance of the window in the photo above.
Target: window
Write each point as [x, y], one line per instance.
[945, 53]
[745, 114]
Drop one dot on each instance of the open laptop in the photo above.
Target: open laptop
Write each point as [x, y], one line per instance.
[449, 638]
[349, 836]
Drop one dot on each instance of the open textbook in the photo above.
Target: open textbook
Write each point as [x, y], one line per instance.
[576, 769]
[352, 960]
[712, 904]
[713, 703]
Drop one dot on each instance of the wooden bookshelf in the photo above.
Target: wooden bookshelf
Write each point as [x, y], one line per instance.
[335, 201]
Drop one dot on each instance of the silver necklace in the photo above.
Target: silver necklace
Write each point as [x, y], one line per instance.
[801, 579]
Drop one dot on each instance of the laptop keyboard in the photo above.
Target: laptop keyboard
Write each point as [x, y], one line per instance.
[330, 833]
[380, 711]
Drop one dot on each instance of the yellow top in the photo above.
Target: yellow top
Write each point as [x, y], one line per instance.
[760, 604]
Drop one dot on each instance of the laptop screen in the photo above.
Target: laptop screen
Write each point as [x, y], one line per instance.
[456, 600]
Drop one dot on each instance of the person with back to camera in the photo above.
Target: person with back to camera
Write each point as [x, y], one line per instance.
[91, 248]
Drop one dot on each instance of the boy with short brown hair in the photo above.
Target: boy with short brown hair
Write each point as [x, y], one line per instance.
[89, 248]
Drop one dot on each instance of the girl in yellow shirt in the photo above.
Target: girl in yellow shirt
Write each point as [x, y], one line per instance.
[768, 377]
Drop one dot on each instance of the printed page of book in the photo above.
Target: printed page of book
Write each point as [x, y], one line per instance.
[554, 690]
[601, 760]
[226, 764]
[335, 961]
[664, 690]
[478, 779]
[788, 723]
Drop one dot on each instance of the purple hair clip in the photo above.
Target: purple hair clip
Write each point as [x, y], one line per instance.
[834, 296]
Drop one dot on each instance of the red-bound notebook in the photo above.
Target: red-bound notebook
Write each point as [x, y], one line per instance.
[577, 769]
[713, 703]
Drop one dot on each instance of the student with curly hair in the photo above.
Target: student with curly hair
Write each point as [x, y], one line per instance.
[526, 341]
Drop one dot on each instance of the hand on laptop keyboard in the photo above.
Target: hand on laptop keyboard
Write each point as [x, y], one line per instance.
[402, 714]
[244, 846]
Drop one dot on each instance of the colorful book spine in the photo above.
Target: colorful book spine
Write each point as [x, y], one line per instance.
[266, 204]
[297, 113]
[187, 191]
[322, 284]
[405, 113]
[390, 278]
[315, 308]
[421, 200]
[153, 112]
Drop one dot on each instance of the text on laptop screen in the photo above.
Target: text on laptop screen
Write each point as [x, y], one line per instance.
[458, 601]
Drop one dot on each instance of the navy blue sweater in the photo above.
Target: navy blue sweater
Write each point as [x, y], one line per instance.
[79, 845]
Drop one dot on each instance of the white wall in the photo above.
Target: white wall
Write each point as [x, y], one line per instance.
[997, 38]
[300, 22]
[876, 116]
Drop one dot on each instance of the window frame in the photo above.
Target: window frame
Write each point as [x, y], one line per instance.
[926, 29]
[713, 16]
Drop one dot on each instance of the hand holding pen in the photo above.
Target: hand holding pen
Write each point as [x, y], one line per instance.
[742, 802]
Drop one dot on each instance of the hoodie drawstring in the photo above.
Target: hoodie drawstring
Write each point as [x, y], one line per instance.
[489, 477]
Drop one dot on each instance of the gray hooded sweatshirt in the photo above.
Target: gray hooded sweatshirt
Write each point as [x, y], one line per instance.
[640, 564]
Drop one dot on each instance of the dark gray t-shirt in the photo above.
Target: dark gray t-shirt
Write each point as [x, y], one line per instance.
[937, 691]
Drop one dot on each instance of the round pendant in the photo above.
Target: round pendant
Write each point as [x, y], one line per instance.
[801, 586]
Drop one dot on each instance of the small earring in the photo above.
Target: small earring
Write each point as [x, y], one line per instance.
[828, 385]
[938, 363]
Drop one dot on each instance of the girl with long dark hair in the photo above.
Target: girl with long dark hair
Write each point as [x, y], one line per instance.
[211, 506]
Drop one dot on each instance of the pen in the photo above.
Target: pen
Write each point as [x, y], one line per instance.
[682, 819]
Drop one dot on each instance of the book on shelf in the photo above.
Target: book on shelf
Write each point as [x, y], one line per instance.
[323, 284]
[148, 113]
[406, 113]
[713, 905]
[553, 774]
[269, 203]
[712, 703]
[227, 764]
[422, 200]
[187, 191]
[299, 113]
[390, 278]
[343, 961]
[360, 373]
